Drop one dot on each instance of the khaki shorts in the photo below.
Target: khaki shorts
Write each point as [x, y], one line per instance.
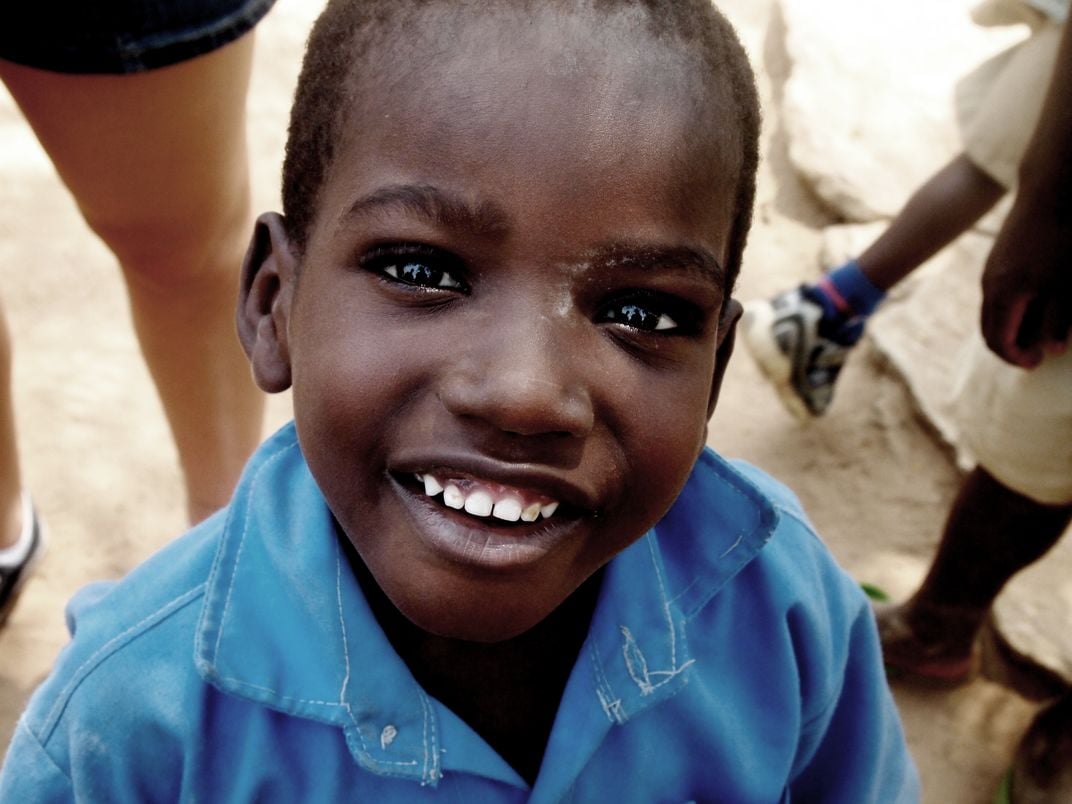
[998, 103]
[1017, 423]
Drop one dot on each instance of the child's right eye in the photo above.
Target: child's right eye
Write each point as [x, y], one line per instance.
[417, 266]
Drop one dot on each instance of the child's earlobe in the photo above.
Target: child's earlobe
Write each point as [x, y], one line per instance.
[727, 334]
[268, 273]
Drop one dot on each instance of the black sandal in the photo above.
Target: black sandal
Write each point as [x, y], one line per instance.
[12, 579]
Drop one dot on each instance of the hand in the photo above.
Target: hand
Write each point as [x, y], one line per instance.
[1027, 284]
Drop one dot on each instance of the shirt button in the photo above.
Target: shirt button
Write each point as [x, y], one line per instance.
[387, 736]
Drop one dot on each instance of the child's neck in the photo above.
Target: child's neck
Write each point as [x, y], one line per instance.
[508, 692]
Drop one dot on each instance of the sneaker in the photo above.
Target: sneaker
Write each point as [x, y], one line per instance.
[12, 579]
[782, 335]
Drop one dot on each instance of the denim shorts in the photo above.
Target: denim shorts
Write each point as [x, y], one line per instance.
[120, 36]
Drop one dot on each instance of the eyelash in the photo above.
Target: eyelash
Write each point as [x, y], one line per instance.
[410, 263]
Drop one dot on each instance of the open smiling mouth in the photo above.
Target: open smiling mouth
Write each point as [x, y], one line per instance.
[496, 504]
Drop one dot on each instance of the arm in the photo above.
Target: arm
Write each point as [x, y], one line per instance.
[1027, 282]
[855, 751]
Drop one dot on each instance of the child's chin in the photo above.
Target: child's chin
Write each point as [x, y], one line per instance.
[483, 620]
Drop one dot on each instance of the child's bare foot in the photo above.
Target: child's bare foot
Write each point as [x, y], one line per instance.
[1042, 769]
[931, 644]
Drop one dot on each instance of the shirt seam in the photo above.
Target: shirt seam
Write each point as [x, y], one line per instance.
[86, 668]
[25, 727]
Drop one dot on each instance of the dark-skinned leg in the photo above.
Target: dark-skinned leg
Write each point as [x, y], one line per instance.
[992, 532]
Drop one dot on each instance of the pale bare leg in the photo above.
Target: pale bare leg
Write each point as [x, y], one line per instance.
[158, 165]
[10, 479]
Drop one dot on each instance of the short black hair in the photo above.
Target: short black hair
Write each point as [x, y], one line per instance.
[346, 30]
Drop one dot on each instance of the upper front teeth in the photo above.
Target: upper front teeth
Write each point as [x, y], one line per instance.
[508, 509]
[452, 496]
[479, 502]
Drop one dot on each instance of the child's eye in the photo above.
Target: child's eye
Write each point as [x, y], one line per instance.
[649, 313]
[639, 317]
[419, 266]
[419, 273]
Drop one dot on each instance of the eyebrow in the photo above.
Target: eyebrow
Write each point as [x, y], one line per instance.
[646, 257]
[489, 219]
[436, 206]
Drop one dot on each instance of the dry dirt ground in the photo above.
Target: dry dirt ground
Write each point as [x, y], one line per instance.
[97, 456]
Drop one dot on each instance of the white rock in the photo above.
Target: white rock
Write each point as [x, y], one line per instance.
[868, 104]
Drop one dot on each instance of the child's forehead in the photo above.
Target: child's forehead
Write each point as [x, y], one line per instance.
[431, 51]
[542, 91]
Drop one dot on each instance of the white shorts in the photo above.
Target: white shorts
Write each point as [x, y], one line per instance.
[998, 104]
[1017, 423]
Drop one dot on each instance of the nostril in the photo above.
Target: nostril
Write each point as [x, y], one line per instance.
[520, 403]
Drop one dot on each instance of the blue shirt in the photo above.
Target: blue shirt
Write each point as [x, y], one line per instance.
[728, 659]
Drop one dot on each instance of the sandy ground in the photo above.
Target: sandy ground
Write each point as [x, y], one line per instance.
[97, 455]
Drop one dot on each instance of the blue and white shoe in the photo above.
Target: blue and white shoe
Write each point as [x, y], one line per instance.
[782, 335]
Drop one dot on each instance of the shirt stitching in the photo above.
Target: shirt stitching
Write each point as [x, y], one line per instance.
[431, 741]
[109, 647]
[342, 623]
[635, 662]
[275, 693]
[343, 702]
[231, 680]
[56, 766]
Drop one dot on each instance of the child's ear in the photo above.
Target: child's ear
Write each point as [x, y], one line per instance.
[268, 276]
[727, 334]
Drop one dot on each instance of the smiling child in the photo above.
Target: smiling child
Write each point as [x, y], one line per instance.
[491, 560]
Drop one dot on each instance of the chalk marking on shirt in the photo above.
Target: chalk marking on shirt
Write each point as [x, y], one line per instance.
[612, 709]
[612, 706]
[637, 666]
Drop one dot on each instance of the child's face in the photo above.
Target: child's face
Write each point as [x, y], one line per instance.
[511, 290]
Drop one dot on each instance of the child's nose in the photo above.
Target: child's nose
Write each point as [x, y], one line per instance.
[523, 378]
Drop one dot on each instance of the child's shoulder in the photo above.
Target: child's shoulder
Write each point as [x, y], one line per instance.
[135, 631]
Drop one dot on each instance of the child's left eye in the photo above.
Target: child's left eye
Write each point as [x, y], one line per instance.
[639, 317]
[648, 313]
